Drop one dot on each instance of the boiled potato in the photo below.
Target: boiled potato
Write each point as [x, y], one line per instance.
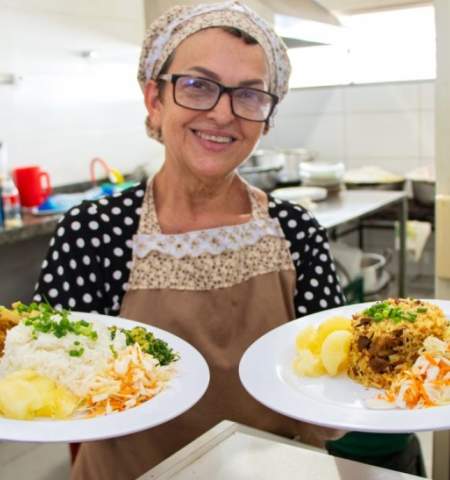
[308, 364]
[15, 398]
[335, 350]
[305, 338]
[331, 325]
[65, 403]
[26, 394]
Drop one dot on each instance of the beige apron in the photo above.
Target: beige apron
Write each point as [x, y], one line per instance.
[219, 289]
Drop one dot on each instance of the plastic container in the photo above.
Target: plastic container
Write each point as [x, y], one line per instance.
[321, 174]
[1, 209]
[12, 216]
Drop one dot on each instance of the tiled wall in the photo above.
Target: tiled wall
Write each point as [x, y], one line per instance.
[389, 125]
[68, 109]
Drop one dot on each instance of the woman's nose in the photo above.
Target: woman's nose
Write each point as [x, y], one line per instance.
[222, 113]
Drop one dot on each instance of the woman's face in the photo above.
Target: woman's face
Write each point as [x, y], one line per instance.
[190, 136]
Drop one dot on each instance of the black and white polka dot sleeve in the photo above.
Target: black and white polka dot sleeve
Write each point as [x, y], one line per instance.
[318, 286]
[89, 260]
[71, 273]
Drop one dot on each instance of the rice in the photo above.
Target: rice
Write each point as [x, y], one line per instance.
[387, 338]
[50, 356]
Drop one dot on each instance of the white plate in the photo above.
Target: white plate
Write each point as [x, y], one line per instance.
[338, 402]
[182, 392]
[295, 194]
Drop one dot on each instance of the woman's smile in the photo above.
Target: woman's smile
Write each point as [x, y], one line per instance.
[213, 140]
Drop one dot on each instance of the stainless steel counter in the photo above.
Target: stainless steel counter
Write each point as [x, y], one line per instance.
[356, 205]
[33, 226]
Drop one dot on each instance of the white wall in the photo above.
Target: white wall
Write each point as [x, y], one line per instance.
[389, 125]
[68, 109]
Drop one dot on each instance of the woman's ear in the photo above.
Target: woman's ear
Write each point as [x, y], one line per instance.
[153, 103]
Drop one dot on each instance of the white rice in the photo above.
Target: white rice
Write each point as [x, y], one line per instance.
[49, 355]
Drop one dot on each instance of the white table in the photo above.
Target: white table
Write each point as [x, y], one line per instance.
[231, 451]
[351, 205]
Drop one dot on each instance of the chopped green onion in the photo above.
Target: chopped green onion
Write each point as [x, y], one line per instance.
[76, 353]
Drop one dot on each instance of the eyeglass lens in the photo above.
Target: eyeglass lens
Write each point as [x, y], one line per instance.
[202, 94]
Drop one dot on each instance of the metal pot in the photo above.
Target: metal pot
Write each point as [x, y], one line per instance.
[372, 266]
[262, 168]
[293, 157]
[424, 192]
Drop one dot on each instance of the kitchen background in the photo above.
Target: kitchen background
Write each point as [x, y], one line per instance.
[68, 93]
[75, 96]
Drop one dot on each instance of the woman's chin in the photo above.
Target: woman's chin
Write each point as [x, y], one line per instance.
[212, 171]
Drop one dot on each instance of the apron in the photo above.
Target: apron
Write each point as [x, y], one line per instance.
[219, 289]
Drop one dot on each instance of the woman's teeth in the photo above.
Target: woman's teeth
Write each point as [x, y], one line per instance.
[213, 138]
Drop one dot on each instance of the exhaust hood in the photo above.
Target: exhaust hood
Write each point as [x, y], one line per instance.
[298, 22]
[304, 23]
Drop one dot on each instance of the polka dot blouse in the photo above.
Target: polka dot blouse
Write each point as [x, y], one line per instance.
[88, 263]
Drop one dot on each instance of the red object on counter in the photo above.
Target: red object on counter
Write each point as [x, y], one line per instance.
[33, 185]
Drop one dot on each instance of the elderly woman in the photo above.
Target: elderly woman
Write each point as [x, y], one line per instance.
[197, 251]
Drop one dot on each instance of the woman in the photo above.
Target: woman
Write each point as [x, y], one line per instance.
[197, 251]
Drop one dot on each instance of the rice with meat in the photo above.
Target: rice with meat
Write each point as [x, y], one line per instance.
[387, 338]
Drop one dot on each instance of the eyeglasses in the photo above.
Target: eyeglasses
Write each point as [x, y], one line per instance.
[198, 93]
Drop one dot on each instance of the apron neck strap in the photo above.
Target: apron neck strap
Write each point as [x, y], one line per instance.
[258, 210]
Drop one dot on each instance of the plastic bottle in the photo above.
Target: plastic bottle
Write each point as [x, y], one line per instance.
[12, 217]
[1, 209]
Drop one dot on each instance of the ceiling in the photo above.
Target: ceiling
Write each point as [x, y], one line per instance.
[349, 6]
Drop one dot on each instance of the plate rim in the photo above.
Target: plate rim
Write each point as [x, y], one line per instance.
[126, 422]
[355, 419]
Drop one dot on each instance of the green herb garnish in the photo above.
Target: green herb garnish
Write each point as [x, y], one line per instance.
[385, 311]
[149, 343]
[76, 353]
[43, 318]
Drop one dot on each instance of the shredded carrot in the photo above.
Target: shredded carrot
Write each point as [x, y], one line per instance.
[135, 386]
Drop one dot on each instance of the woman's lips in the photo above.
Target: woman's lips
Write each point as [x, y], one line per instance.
[214, 142]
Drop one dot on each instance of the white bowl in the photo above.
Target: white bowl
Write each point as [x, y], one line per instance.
[297, 194]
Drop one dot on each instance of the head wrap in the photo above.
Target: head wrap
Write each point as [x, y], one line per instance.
[170, 29]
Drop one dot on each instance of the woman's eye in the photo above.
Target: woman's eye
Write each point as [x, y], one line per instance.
[196, 84]
[248, 95]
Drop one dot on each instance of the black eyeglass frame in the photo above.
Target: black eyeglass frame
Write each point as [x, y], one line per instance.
[174, 77]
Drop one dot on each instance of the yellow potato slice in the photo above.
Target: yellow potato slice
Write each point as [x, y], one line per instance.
[26, 394]
[335, 350]
[306, 364]
[307, 339]
[65, 403]
[331, 325]
[16, 397]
